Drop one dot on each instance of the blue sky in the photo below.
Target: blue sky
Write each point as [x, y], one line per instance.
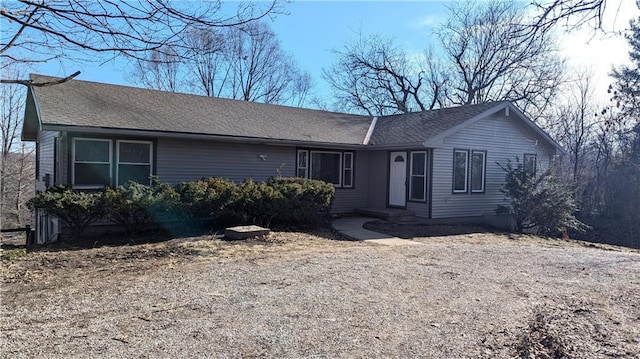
[309, 31]
[313, 28]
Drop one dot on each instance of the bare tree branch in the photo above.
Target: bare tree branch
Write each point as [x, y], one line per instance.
[37, 83]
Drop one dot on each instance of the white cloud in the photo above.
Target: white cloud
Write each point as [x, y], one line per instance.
[599, 51]
[426, 21]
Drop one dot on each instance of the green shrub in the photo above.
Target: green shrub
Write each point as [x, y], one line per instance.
[206, 202]
[292, 202]
[257, 203]
[76, 209]
[303, 202]
[538, 202]
[134, 205]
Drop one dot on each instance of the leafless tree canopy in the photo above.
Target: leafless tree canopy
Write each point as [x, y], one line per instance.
[573, 13]
[493, 56]
[487, 52]
[16, 158]
[373, 76]
[244, 62]
[44, 30]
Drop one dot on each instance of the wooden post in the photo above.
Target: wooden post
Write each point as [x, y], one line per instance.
[29, 236]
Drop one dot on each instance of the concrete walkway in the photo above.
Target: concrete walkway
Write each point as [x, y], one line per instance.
[352, 227]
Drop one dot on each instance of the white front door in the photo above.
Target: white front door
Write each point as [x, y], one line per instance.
[397, 179]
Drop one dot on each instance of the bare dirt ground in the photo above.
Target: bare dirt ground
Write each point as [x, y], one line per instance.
[465, 293]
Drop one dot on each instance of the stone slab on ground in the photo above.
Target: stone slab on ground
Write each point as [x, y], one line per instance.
[244, 232]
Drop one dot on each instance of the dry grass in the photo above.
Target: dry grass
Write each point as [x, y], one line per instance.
[298, 295]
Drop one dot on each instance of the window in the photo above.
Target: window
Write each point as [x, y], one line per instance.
[99, 162]
[530, 163]
[134, 162]
[329, 166]
[460, 165]
[326, 166]
[478, 164]
[91, 163]
[347, 173]
[303, 163]
[418, 185]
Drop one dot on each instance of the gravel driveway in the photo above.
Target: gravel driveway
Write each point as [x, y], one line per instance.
[297, 295]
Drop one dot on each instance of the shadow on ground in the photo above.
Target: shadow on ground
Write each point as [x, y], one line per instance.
[408, 231]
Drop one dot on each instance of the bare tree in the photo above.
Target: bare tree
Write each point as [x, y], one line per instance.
[245, 63]
[160, 70]
[262, 71]
[43, 30]
[16, 158]
[371, 75]
[574, 13]
[493, 56]
[208, 61]
[575, 124]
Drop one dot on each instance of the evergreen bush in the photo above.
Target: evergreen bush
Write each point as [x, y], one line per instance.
[541, 203]
[76, 209]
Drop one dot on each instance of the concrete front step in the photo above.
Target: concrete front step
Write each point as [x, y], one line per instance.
[390, 214]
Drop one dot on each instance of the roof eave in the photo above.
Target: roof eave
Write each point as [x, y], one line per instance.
[198, 136]
[32, 122]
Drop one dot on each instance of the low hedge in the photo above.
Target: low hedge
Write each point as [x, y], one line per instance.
[206, 204]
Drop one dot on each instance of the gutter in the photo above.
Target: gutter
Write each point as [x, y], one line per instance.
[199, 136]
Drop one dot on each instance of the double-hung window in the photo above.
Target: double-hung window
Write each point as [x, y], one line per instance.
[134, 162]
[530, 163]
[329, 166]
[469, 171]
[418, 181]
[347, 172]
[460, 166]
[478, 165]
[98, 162]
[92, 160]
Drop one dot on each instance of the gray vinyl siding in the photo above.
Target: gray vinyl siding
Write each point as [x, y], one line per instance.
[420, 209]
[45, 157]
[347, 199]
[188, 160]
[502, 138]
[378, 177]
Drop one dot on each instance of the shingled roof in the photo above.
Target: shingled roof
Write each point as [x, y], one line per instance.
[83, 105]
[90, 106]
[418, 127]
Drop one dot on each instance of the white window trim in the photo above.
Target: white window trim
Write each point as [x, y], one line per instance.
[466, 172]
[484, 171]
[310, 163]
[73, 164]
[424, 177]
[118, 163]
[345, 169]
[305, 168]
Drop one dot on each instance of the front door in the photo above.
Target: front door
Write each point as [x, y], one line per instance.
[397, 179]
